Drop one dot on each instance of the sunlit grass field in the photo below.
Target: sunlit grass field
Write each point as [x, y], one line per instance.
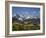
[16, 26]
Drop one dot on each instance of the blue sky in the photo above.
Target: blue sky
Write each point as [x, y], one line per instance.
[26, 11]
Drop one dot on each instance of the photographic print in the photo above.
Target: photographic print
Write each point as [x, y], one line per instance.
[24, 19]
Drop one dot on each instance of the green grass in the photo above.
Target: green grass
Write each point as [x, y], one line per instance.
[22, 26]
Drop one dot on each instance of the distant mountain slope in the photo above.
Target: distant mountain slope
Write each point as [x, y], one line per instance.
[27, 19]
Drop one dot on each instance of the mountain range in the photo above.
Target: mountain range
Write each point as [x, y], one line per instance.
[26, 19]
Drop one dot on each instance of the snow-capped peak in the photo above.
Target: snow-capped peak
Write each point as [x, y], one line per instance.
[28, 17]
[20, 19]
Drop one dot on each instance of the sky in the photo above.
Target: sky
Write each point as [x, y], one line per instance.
[26, 11]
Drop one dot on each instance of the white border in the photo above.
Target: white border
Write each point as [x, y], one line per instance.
[24, 32]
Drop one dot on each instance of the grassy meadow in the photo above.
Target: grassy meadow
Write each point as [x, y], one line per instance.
[16, 26]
